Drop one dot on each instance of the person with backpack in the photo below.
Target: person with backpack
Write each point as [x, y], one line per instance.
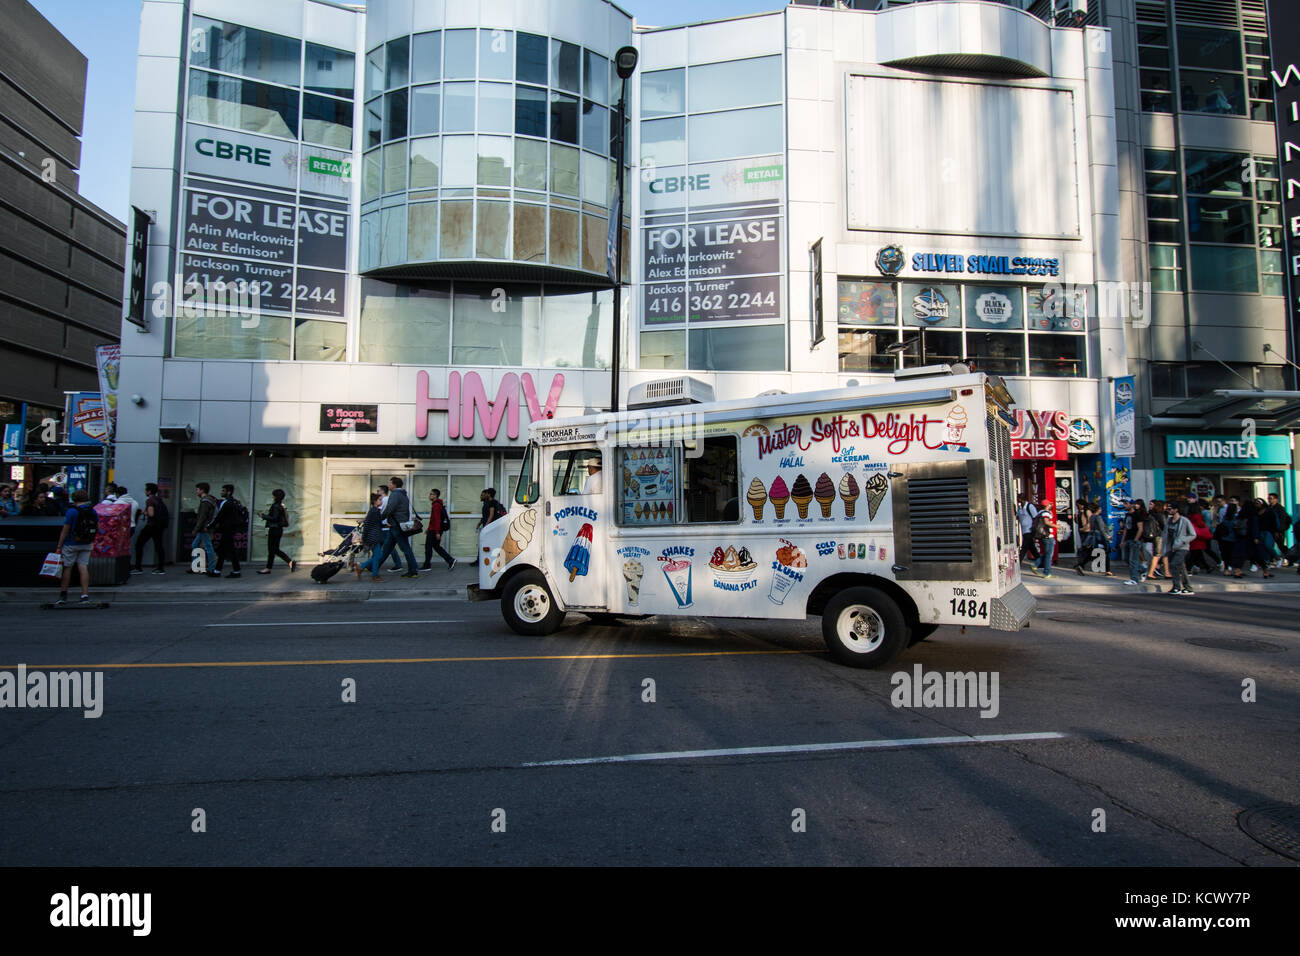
[1045, 535]
[1138, 553]
[1154, 535]
[277, 519]
[439, 524]
[492, 509]
[396, 513]
[1179, 535]
[230, 519]
[1198, 551]
[76, 538]
[156, 520]
[1096, 537]
[1025, 514]
[1276, 523]
[203, 525]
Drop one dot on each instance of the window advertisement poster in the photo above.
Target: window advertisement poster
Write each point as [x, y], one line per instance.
[87, 422]
[994, 308]
[868, 303]
[713, 241]
[13, 443]
[1125, 418]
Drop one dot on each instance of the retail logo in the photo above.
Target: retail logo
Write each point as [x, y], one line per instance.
[764, 174]
[1081, 433]
[467, 399]
[329, 167]
[930, 306]
[993, 308]
[889, 260]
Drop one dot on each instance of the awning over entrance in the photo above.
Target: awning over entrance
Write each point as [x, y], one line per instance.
[1271, 410]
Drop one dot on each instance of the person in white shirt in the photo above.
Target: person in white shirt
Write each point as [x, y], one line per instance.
[593, 484]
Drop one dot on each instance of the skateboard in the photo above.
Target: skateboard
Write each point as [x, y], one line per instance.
[75, 606]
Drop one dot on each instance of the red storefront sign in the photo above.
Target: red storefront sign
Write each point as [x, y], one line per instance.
[1040, 435]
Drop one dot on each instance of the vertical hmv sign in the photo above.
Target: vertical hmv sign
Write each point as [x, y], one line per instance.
[1284, 52]
[139, 264]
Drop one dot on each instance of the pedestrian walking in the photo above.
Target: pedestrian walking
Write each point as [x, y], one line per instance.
[76, 538]
[155, 520]
[1156, 536]
[1025, 514]
[1096, 536]
[372, 531]
[1045, 536]
[1198, 551]
[276, 517]
[1136, 549]
[383, 503]
[1282, 525]
[1179, 535]
[396, 513]
[492, 509]
[439, 524]
[230, 519]
[203, 526]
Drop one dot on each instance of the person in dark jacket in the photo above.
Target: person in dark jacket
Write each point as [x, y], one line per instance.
[226, 521]
[1247, 544]
[1095, 535]
[1198, 556]
[203, 526]
[156, 520]
[439, 524]
[396, 512]
[372, 531]
[277, 519]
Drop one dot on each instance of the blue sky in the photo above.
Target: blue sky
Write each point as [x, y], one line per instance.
[106, 31]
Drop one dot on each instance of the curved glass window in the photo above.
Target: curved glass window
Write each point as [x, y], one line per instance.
[566, 66]
[327, 70]
[595, 127]
[496, 54]
[397, 69]
[458, 107]
[404, 323]
[531, 58]
[458, 54]
[426, 157]
[496, 108]
[395, 114]
[424, 109]
[564, 118]
[530, 111]
[327, 121]
[426, 57]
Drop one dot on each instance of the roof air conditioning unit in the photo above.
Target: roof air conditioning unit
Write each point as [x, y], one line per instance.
[176, 432]
[682, 390]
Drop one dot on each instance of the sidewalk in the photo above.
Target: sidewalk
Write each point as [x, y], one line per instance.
[177, 586]
[280, 584]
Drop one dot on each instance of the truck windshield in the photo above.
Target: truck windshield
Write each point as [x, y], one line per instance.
[526, 492]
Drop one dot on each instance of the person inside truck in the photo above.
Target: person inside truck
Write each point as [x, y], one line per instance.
[592, 486]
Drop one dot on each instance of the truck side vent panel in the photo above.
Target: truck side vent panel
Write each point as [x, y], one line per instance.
[940, 515]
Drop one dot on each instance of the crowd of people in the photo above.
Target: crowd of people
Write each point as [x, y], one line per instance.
[1170, 540]
[392, 520]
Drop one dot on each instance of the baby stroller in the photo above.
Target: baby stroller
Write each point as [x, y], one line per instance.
[345, 555]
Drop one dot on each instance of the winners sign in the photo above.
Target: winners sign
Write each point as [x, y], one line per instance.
[1284, 49]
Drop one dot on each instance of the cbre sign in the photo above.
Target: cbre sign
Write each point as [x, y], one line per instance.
[467, 401]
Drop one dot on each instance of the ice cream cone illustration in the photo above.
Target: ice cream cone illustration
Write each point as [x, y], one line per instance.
[849, 492]
[518, 535]
[877, 487]
[579, 556]
[802, 494]
[632, 572]
[825, 493]
[779, 495]
[956, 424]
[757, 498]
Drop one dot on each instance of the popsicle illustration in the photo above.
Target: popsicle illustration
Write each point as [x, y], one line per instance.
[779, 494]
[580, 554]
[757, 498]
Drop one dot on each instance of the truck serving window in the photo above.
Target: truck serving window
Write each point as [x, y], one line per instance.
[710, 486]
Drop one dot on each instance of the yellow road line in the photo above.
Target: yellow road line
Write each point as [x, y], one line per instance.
[390, 660]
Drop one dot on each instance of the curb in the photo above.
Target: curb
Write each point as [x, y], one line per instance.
[200, 596]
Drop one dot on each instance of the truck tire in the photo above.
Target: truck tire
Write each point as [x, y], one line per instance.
[528, 606]
[920, 632]
[863, 627]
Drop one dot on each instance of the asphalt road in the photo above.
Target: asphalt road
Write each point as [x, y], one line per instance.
[453, 712]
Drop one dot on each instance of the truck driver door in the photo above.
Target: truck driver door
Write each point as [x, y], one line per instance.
[575, 525]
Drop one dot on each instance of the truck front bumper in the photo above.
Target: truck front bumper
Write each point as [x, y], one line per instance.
[1013, 610]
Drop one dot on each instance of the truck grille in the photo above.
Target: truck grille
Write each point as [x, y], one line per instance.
[940, 522]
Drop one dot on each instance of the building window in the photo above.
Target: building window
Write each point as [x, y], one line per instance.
[1210, 73]
[1268, 213]
[329, 71]
[1220, 215]
[1164, 219]
[243, 104]
[246, 52]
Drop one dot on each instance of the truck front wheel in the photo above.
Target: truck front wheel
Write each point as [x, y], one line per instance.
[863, 627]
[527, 605]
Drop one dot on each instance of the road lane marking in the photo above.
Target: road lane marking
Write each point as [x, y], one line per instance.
[162, 665]
[337, 623]
[804, 748]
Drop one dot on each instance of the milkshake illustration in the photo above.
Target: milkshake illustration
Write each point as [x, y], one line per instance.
[757, 498]
[956, 425]
[632, 573]
[678, 575]
[786, 571]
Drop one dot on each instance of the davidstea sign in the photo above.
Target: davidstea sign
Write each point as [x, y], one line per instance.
[1227, 450]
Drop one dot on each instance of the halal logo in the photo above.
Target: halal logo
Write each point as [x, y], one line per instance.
[889, 260]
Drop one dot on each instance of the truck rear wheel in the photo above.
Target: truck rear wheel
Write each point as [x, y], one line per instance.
[528, 606]
[863, 627]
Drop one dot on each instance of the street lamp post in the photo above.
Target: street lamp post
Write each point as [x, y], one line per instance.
[625, 63]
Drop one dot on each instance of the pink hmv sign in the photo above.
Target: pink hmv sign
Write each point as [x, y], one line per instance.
[467, 400]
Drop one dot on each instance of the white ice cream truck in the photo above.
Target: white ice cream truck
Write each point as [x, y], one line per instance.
[886, 509]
